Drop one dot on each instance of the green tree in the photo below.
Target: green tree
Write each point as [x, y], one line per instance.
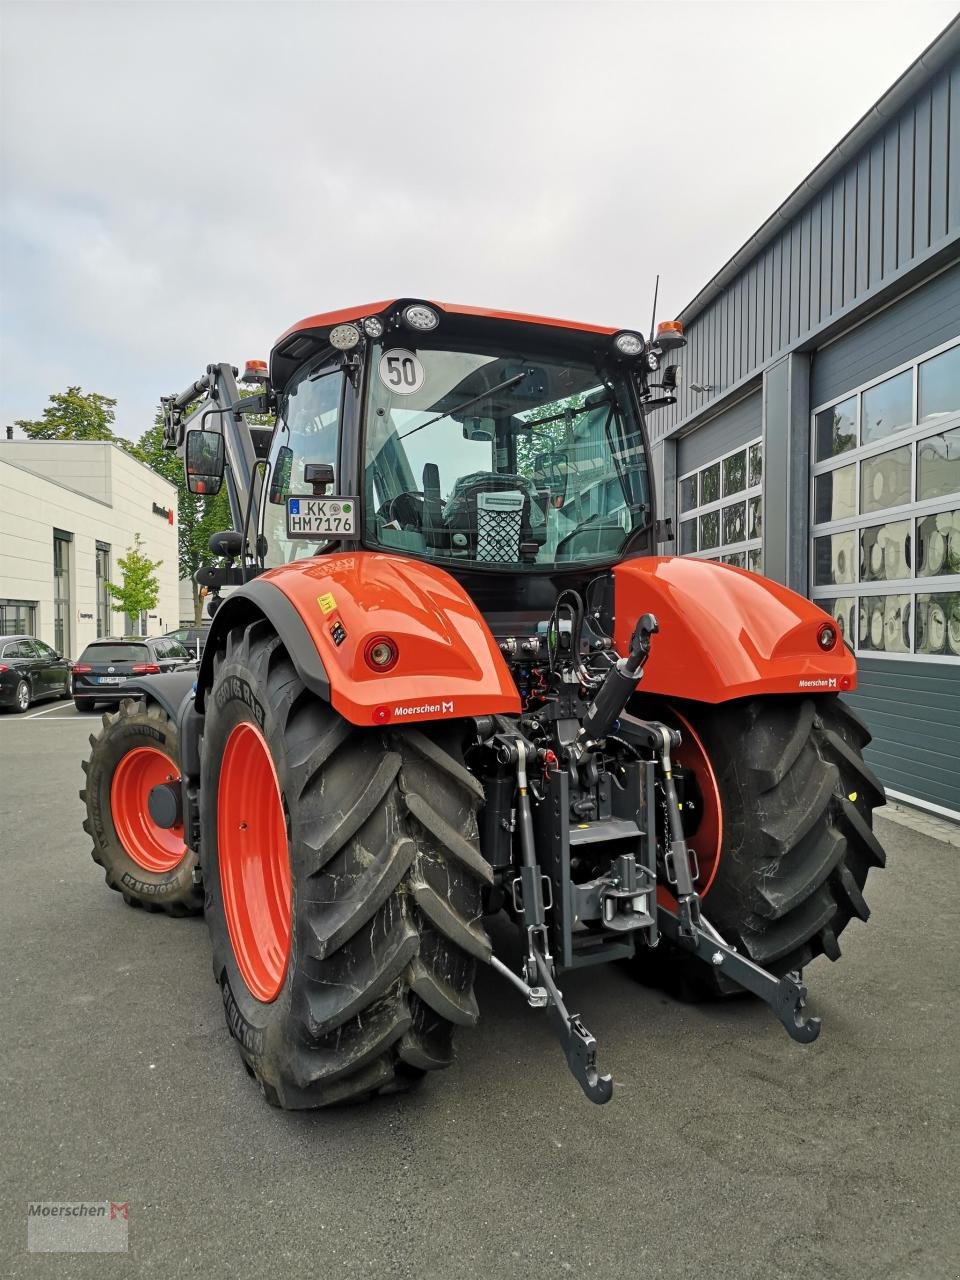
[199, 516]
[140, 588]
[74, 415]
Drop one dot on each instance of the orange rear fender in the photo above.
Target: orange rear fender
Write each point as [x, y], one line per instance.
[726, 633]
[448, 664]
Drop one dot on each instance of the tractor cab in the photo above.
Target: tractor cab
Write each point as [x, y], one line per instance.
[484, 443]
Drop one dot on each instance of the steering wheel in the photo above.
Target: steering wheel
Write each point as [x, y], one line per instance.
[406, 509]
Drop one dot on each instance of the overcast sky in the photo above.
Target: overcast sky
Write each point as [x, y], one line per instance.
[182, 181]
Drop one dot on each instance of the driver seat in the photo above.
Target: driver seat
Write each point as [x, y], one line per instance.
[493, 512]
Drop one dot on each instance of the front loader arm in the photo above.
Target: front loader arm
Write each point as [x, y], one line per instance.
[219, 409]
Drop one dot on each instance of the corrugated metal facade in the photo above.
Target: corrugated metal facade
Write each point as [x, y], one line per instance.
[891, 207]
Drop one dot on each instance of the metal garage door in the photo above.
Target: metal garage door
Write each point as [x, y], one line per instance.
[730, 429]
[719, 487]
[885, 553]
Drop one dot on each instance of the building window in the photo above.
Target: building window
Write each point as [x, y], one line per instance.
[721, 509]
[885, 543]
[104, 611]
[18, 617]
[61, 590]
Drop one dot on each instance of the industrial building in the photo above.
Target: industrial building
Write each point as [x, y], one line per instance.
[68, 512]
[816, 436]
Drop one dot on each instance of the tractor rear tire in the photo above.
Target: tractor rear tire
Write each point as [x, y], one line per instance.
[149, 865]
[347, 957]
[797, 800]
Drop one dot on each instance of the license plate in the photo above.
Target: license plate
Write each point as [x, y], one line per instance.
[321, 517]
[110, 679]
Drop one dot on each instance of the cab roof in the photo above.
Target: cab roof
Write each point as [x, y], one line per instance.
[305, 337]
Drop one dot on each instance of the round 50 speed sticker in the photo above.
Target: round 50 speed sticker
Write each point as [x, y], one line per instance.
[401, 372]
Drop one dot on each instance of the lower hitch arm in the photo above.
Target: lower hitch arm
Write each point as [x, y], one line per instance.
[786, 996]
[578, 1044]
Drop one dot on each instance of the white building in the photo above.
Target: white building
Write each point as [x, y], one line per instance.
[68, 512]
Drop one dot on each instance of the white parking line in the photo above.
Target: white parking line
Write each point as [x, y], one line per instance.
[46, 711]
[73, 719]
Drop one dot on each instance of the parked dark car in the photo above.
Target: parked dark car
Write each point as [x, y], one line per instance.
[192, 638]
[104, 665]
[30, 670]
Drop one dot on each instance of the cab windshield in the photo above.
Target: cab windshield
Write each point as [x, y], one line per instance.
[489, 459]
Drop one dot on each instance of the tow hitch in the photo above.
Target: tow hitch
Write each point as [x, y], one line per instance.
[592, 919]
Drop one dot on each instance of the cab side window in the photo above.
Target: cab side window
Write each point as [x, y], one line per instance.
[308, 430]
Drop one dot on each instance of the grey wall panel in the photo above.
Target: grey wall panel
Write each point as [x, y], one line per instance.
[913, 711]
[939, 125]
[735, 426]
[893, 203]
[921, 320]
[921, 180]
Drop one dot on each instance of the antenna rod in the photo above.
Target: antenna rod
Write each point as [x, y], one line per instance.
[653, 318]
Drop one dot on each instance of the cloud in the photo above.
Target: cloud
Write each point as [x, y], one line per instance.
[181, 182]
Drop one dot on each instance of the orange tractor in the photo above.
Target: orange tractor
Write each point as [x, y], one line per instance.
[453, 678]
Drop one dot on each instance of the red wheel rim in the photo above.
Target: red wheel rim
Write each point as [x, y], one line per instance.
[153, 848]
[254, 862]
[707, 839]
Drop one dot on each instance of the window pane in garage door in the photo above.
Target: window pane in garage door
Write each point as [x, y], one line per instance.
[836, 495]
[735, 473]
[710, 484]
[938, 623]
[835, 559]
[710, 530]
[938, 544]
[940, 385]
[756, 464]
[688, 536]
[836, 429]
[888, 407]
[938, 465]
[885, 480]
[884, 624]
[885, 552]
[688, 493]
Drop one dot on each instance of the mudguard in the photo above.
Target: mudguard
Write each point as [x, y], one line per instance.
[169, 689]
[726, 633]
[330, 609]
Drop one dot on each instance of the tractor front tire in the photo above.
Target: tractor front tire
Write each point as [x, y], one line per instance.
[796, 800]
[343, 883]
[152, 868]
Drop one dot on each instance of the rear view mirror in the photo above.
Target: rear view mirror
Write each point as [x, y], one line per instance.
[280, 480]
[481, 429]
[550, 473]
[203, 462]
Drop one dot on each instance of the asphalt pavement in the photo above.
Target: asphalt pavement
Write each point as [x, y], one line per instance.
[727, 1150]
